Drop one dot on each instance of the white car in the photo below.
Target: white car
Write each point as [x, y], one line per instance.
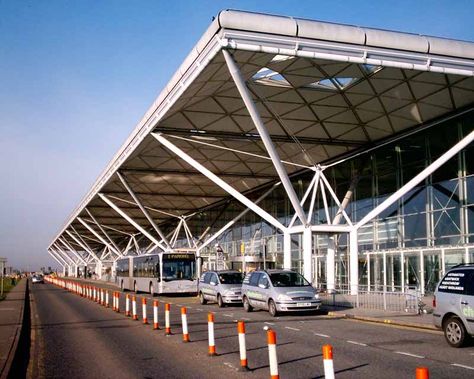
[37, 279]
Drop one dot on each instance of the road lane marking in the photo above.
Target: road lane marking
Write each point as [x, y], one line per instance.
[409, 354]
[245, 319]
[289, 327]
[228, 315]
[199, 309]
[269, 323]
[357, 343]
[322, 335]
[463, 366]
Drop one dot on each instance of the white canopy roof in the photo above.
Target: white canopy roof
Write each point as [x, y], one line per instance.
[323, 91]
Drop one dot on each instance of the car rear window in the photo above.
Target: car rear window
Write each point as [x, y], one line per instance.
[455, 282]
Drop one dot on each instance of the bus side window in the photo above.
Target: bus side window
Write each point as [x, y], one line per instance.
[157, 270]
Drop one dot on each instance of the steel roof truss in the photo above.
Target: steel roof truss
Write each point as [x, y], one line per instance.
[102, 230]
[117, 252]
[255, 115]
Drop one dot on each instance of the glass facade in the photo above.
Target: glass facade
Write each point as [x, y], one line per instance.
[411, 243]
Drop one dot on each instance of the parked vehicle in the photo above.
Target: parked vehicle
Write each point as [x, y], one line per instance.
[278, 291]
[223, 287]
[454, 305]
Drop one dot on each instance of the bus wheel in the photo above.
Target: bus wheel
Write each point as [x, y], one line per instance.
[202, 300]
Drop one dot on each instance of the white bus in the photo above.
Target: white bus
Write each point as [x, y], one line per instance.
[167, 272]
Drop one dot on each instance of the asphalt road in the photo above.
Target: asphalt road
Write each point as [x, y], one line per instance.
[75, 337]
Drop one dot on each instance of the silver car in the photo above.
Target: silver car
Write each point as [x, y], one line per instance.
[454, 305]
[278, 291]
[223, 287]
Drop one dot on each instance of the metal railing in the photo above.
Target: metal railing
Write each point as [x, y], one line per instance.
[409, 301]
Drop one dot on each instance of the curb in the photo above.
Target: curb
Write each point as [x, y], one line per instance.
[384, 321]
[10, 367]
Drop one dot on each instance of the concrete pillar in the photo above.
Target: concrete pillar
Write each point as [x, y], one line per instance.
[354, 262]
[331, 265]
[287, 251]
[98, 269]
[308, 254]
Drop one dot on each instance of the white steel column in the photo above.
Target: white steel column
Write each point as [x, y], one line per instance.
[354, 262]
[131, 221]
[307, 254]
[331, 265]
[417, 179]
[143, 209]
[218, 181]
[267, 141]
[287, 251]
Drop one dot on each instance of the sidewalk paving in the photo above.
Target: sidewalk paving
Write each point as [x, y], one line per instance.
[11, 318]
[421, 321]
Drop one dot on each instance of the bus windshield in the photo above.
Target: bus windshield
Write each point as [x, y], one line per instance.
[179, 268]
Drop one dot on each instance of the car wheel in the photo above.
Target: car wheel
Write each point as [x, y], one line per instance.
[454, 332]
[202, 300]
[247, 306]
[272, 309]
[220, 302]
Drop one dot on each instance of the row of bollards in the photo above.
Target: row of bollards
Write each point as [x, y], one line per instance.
[101, 296]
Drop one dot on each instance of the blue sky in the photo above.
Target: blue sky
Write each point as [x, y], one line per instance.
[76, 76]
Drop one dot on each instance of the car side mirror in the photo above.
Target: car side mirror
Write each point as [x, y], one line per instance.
[264, 286]
[212, 283]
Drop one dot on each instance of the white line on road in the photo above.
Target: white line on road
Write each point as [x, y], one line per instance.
[322, 335]
[245, 319]
[289, 327]
[357, 343]
[409, 354]
[199, 309]
[269, 323]
[228, 315]
[463, 366]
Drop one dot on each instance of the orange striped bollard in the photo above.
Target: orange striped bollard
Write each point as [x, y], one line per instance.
[134, 308]
[127, 305]
[167, 319]
[145, 318]
[210, 328]
[184, 321]
[102, 300]
[242, 346]
[106, 299]
[95, 294]
[155, 315]
[272, 354]
[328, 362]
[117, 302]
[422, 373]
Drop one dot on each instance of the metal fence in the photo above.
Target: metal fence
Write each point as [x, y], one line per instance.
[409, 301]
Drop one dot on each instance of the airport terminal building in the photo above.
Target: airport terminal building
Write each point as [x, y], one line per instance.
[342, 152]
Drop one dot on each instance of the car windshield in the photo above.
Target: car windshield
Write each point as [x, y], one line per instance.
[231, 278]
[288, 279]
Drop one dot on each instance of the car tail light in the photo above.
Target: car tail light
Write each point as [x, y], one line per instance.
[434, 302]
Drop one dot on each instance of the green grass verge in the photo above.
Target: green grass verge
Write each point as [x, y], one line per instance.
[7, 286]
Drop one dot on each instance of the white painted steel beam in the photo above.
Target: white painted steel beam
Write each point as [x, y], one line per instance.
[56, 259]
[218, 181]
[68, 246]
[417, 179]
[131, 221]
[84, 246]
[323, 228]
[308, 254]
[353, 262]
[143, 209]
[235, 219]
[101, 239]
[116, 248]
[63, 254]
[262, 130]
[287, 250]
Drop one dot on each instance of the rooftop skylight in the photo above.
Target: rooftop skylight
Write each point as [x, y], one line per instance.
[269, 77]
